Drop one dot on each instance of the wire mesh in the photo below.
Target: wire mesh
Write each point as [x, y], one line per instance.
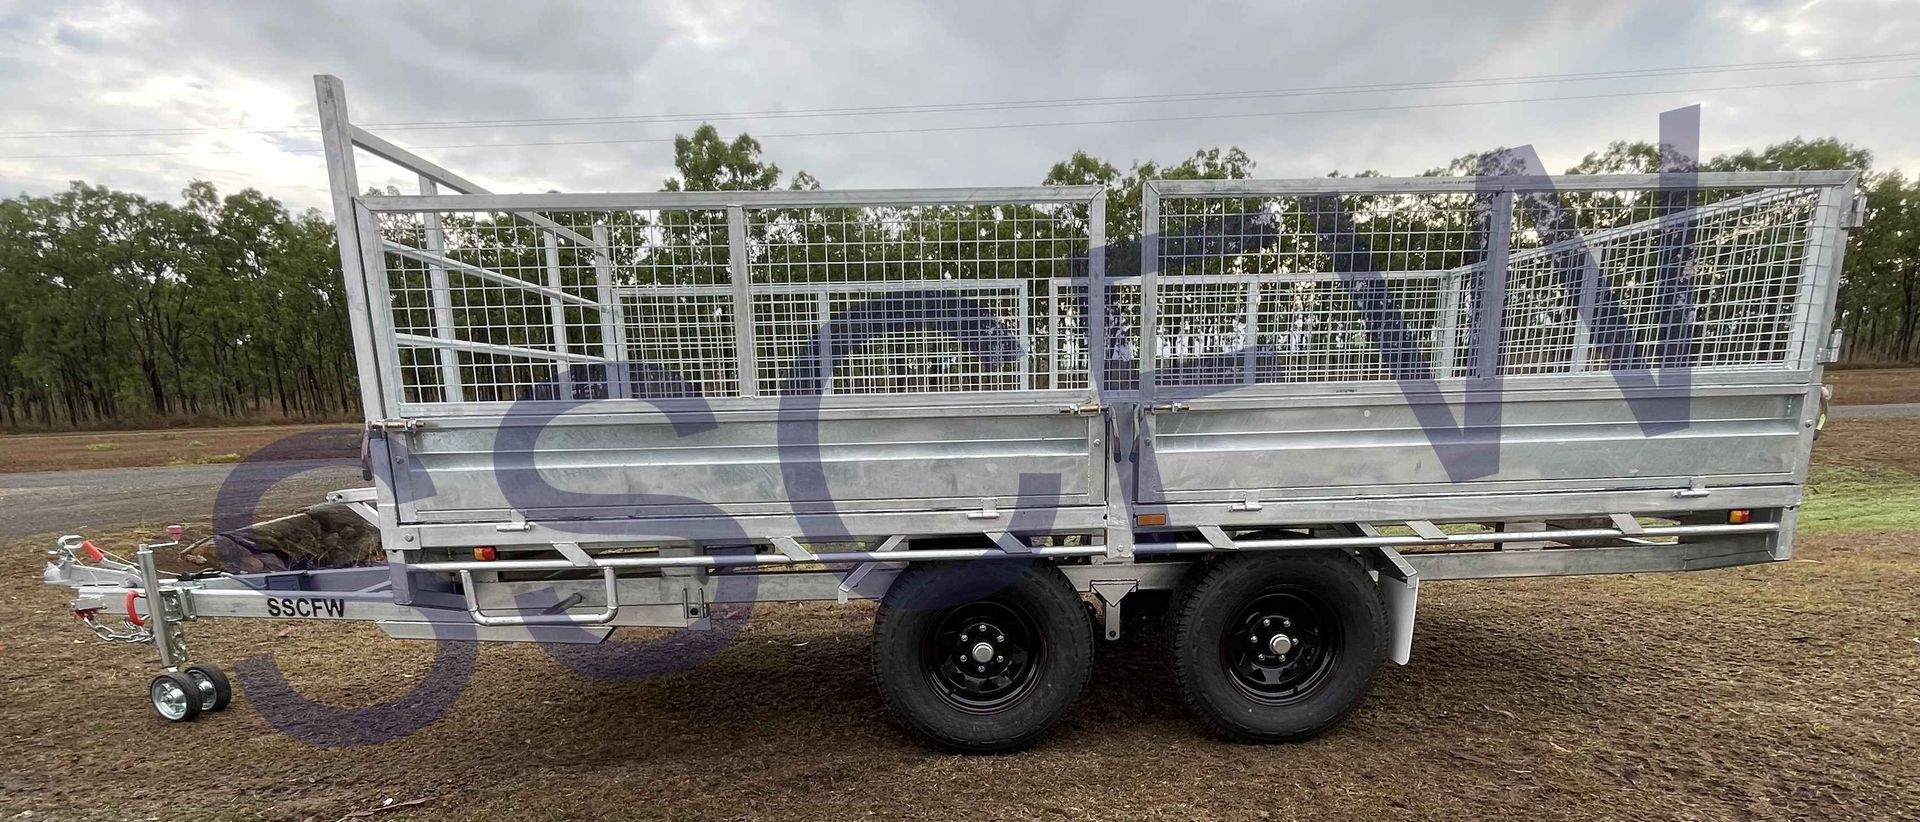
[528, 312]
[1309, 289]
[865, 300]
[490, 307]
[1706, 278]
[1367, 287]
[1068, 317]
[495, 307]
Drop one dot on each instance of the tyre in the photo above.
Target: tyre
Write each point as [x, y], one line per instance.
[175, 696]
[1278, 647]
[214, 689]
[981, 671]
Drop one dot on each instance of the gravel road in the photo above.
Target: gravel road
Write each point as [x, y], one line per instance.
[1890, 411]
[69, 502]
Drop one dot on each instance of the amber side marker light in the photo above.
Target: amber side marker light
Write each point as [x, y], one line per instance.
[1150, 519]
[486, 553]
[1739, 516]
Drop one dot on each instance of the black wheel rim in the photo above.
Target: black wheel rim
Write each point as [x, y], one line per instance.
[1280, 646]
[984, 656]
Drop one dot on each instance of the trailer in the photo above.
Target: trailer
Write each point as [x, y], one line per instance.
[1264, 417]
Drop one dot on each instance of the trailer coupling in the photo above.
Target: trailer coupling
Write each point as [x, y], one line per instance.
[153, 615]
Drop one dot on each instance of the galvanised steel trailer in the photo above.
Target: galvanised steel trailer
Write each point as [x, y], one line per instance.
[1268, 416]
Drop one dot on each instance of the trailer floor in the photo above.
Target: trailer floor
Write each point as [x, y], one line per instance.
[1782, 691]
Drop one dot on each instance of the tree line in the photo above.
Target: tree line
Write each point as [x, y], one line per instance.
[119, 310]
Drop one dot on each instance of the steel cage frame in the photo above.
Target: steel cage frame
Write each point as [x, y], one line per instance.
[740, 288]
[365, 274]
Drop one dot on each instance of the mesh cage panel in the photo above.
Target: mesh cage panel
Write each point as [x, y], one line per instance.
[1367, 287]
[499, 307]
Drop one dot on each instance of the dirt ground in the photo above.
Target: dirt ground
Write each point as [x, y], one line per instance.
[175, 446]
[1775, 692]
[1875, 386]
[1873, 444]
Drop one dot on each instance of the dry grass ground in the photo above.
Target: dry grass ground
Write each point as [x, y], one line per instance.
[1875, 386]
[1773, 692]
[175, 446]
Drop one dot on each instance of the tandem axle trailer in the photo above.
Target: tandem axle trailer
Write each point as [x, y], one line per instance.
[1266, 414]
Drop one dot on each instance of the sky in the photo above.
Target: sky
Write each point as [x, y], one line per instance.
[224, 91]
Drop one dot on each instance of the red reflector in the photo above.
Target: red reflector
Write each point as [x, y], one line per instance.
[486, 553]
[92, 553]
[1739, 516]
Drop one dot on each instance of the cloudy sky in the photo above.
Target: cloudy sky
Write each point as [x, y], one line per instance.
[148, 95]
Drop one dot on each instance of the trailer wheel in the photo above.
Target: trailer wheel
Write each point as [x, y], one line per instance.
[175, 696]
[212, 685]
[1278, 647]
[981, 672]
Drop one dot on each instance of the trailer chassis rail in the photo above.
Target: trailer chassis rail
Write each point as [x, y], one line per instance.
[366, 593]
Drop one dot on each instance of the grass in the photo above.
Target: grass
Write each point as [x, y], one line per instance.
[206, 459]
[207, 446]
[1845, 499]
[1875, 386]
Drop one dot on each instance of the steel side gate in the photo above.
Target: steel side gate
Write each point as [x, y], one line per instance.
[608, 369]
[1307, 342]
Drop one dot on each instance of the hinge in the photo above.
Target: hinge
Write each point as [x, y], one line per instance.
[988, 510]
[1856, 215]
[396, 424]
[1086, 409]
[1168, 408]
[1696, 488]
[1835, 339]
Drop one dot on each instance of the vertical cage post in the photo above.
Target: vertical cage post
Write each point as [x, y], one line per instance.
[1490, 319]
[1027, 342]
[1446, 320]
[360, 261]
[1057, 337]
[613, 317]
[336, 136]
[1250, 334]
[373, 260]
[441, 296]
[1095, 315]
[740, 277]
[1826, 250]
[823, 341]
[1149, 287]
[563, 373]
[1591, 275]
